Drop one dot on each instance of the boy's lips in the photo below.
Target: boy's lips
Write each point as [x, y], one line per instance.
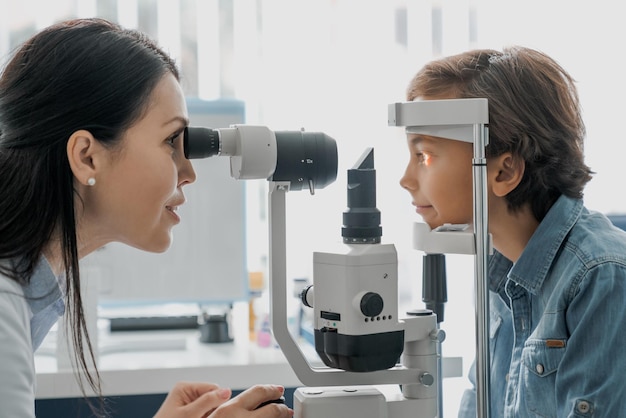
[422, 208]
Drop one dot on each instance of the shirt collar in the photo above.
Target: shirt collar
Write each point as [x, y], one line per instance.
[532, 267]
[499, 267]
[44, 287]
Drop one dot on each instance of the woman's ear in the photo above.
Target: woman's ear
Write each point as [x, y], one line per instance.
[82, 149]
[505, 172]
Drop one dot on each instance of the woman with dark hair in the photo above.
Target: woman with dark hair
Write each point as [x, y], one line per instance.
[91, 125]
[557, 277]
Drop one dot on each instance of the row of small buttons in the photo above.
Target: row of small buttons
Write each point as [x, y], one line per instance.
[378, 318]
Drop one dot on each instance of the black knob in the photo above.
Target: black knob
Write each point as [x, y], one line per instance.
[371, 304]
[305, 295]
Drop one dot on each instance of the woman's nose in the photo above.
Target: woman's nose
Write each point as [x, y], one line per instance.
[186, 173]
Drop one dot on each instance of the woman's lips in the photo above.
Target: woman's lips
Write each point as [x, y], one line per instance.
[172, 211]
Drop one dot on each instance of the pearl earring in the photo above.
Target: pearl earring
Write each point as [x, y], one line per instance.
[91, 181]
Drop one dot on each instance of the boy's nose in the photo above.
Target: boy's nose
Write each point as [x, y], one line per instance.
[408, 181]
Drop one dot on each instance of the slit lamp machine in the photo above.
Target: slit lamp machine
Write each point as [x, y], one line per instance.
[377, 364]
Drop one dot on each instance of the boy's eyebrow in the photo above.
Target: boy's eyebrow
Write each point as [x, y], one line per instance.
[415, 139]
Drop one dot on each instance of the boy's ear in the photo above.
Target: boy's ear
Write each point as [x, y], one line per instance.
[506, 172]
[82, 148]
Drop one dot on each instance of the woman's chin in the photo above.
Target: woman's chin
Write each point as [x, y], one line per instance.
[155, 245]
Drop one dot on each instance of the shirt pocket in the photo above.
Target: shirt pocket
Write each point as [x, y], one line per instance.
[540, 362]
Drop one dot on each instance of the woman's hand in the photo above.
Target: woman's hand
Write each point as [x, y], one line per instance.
[206, 400]
[192, 400]
[242, 405]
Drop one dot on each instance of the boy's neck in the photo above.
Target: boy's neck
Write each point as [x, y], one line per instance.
[511, 231]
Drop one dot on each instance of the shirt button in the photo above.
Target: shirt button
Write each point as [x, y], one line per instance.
[583, 407]
[539, 368]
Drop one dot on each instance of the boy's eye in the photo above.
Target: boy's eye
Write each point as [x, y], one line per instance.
[423, 158]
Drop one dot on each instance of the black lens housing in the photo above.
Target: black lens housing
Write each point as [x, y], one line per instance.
[305, 159]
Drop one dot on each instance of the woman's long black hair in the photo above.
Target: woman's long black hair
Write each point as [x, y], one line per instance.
[81, 74]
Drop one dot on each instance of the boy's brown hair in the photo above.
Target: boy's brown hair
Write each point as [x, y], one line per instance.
[534, 113]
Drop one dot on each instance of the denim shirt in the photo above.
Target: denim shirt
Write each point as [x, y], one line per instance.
[45, 300]
[558, 321]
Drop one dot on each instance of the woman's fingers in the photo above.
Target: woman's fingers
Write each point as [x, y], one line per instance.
[253, 397]
[192, 400]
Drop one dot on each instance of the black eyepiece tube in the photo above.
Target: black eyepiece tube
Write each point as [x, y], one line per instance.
[361, 220]
[308, 160]
[201, 142]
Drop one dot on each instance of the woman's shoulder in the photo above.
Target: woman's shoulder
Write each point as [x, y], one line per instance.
[12, 299]
[9, 285]
[17, 366]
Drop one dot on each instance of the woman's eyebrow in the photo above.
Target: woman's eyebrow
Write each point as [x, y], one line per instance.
[183, 120]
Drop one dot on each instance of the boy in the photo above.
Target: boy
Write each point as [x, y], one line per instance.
[558, 274]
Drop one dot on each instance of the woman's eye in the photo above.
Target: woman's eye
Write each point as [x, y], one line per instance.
[172, 139]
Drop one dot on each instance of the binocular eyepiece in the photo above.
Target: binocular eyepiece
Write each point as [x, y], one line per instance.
[304, 159]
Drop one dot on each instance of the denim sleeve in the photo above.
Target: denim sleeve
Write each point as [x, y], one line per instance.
[590, 377]
[467, 409]
[500, 346]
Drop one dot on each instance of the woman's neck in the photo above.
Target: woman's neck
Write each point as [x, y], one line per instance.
[52, 252]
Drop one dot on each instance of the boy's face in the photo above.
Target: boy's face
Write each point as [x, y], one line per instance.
[439, 179]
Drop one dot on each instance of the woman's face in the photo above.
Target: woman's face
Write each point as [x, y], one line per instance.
[139, 186]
